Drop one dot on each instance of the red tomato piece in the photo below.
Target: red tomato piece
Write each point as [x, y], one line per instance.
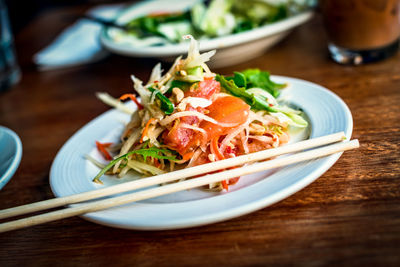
[179, 139]
[204, 89]
[226, 109]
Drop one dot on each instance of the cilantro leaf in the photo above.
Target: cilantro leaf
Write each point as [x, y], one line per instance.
[153, 152]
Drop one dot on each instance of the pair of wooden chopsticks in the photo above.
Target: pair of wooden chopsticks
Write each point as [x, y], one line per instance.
[321, 142]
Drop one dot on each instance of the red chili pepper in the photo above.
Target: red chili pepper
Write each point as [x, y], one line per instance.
[133, 98]
[102, 149]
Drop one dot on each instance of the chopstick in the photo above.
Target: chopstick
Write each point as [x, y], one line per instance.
[176, 187]
[171, 176]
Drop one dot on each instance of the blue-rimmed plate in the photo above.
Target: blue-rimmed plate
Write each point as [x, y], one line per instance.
[10, 156]
[72, 174]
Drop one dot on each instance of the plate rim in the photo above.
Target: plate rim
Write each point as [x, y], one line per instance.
[234, 212]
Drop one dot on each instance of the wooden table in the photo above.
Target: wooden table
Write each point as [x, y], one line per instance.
[349, 216]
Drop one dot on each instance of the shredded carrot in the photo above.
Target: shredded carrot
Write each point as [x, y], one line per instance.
[102, 149]
[187, 156]
[133, 98]
[157, 163]
[214, 143]
[224, 185]
[146, 129]
[220, 156]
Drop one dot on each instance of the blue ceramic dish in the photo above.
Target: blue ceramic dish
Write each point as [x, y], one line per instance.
[10, 156]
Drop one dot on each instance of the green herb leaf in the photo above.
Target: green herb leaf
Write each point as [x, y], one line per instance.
[254, 101]
[261, 79]
[180, 84]
[259, 102]
[150, 25]
[153, 152]
[166, 105]
[243, 26]
[240, 79]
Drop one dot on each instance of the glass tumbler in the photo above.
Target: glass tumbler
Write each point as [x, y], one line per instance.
[361, 31]
[9, 70]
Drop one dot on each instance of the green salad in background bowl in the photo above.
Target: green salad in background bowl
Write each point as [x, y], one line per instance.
[239, 30]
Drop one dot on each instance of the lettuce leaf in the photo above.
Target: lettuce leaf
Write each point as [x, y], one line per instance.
[215, 20]
[259, 101]
[251, 99]
[293, 115]
[261, 79]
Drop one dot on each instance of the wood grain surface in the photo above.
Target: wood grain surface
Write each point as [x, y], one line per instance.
[350, 216]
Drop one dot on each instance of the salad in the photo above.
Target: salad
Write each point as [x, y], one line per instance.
[208, 19]
[190, 116]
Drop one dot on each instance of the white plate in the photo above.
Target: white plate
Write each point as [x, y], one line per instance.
[71, 173]
[10, 156]
[232, 49]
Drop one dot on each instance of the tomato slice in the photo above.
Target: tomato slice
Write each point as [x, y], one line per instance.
[204, 89]
[226, 109]
[180, 139]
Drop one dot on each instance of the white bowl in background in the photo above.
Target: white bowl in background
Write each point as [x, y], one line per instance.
[231, 49]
